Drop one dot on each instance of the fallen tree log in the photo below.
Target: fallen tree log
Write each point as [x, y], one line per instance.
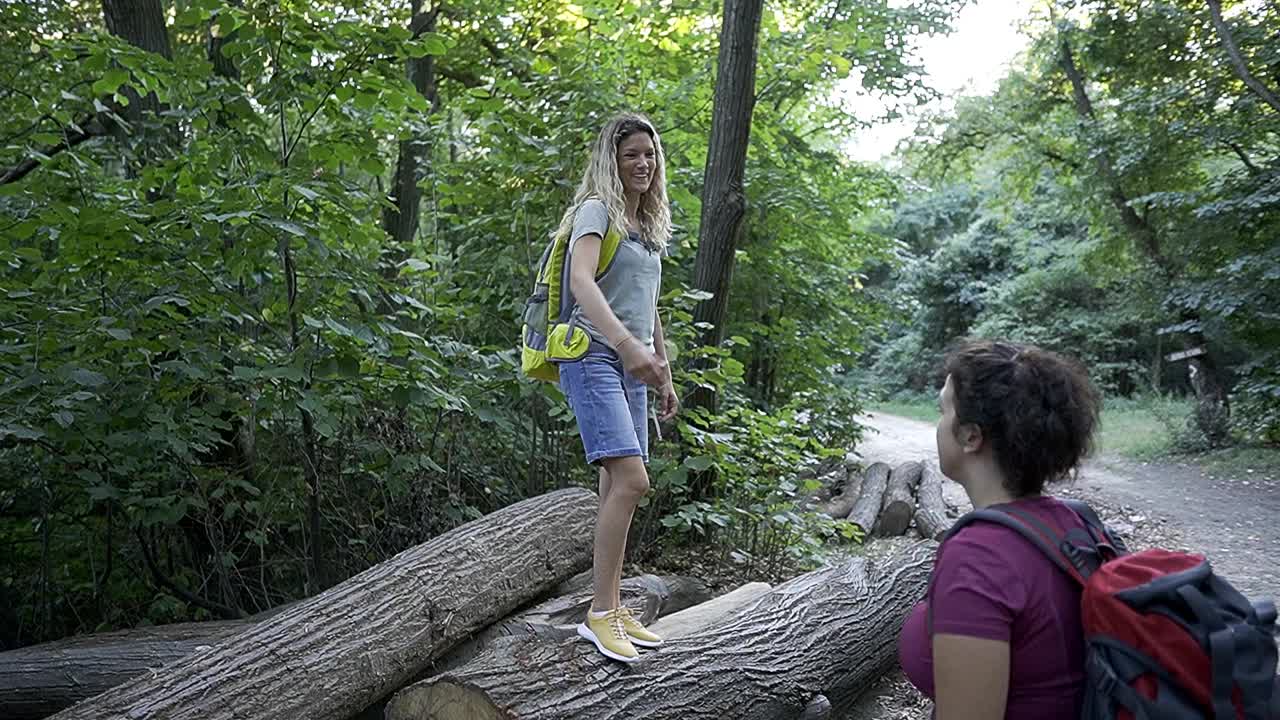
[865, 511]
[931, 511]
[839, 506]
[691, 620]
[831, 632]
[39, 680]
[899, 500]
[649, 596]
[334, 654]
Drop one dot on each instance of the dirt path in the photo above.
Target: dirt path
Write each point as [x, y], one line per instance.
[1232, 520]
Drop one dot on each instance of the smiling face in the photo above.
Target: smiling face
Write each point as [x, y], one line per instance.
[637, 162]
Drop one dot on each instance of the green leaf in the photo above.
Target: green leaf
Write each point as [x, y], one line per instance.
[20, 432]
[111, 81]
[88, 378]
[698, 462]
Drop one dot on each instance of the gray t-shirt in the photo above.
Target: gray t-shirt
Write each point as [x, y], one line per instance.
[631, 285]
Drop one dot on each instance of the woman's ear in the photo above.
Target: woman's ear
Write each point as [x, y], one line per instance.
[969, 436]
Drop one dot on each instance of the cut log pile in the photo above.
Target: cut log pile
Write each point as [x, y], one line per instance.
[480, 622]
[828, 633]
[886, 502]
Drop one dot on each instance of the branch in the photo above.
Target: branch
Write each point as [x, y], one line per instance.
[164, 581]
[1244, 158]
[1237, 60]
[70, 139]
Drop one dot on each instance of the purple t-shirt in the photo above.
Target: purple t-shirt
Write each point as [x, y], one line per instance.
[990, 582]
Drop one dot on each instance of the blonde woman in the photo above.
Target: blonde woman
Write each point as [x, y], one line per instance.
[624, 189]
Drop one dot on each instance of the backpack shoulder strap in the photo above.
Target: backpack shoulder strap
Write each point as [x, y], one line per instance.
[1101, 533]
[1048, 541]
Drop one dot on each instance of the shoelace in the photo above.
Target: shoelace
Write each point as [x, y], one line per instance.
[614, 619]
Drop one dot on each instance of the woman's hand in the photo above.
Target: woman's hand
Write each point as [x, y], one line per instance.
[670, 402]
[642, 363]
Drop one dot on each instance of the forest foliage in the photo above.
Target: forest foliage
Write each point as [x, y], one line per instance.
[263, 264]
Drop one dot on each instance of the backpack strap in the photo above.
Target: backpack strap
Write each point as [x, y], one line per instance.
[1048, 541]
[1102, 535]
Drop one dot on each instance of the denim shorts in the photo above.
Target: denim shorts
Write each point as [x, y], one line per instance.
[611, 406]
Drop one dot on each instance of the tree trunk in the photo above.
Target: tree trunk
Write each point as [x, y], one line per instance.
[830, 632]
[1136, 224]
[931, 512]
[865, 511]
[1213, 416]
[40, 680]
[139, 23]
[1237, 60]
[899, 502]
[142, 24]
[335, 654]
[724, 199]
[400, 222]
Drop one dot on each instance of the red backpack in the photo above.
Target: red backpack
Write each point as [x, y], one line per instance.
[1165, 638]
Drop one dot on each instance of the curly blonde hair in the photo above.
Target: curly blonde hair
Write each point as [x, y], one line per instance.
[601, 181]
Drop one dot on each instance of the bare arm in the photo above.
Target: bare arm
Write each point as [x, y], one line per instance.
[669, 401]
[636, 358]
[970, 677]
[582, 281]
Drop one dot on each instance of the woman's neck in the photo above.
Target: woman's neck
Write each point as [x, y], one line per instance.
[986, 486]
[632, 202]
[986, 495]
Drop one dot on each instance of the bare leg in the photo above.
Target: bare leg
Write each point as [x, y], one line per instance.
[628, 482]
[606, 482]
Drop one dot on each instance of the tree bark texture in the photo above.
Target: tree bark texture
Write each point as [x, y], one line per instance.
[40, 680]
[1237, 59]
[141, 24]
[400, 222]
[694, 619]
[865, 511]
[649, 597]
[899, 503]
[931, 511]
[328, 657]
[830, 632]
[724, 199]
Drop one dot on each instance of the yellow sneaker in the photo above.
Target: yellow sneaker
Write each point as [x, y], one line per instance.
[639, 634]
[609, 636]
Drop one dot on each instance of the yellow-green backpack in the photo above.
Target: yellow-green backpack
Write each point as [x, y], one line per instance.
[551, 334]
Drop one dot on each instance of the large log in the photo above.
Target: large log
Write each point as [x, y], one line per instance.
[338, 652]
[830, 632]
[691, 620]
[649, 596]
[865, 511]
[39, 680]
[839, 506]
[899, 500]
[931, 511]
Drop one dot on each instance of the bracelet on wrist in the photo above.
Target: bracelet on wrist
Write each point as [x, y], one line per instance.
[625, 338]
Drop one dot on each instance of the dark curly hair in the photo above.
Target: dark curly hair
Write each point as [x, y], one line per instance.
[1038, 409]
